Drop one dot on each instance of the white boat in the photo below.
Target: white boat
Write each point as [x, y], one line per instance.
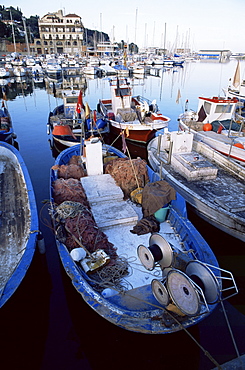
[210, 182]
[91, 70]
[236, 87]
[20, 71]
[215, 123]
[108, 70]
[137, 69]
[53, 69]
[4, 73]
[138, 117]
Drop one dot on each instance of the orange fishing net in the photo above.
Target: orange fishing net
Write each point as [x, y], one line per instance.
[128, 174]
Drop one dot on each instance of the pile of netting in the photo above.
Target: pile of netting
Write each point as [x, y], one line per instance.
[73, 215]
[128, 174]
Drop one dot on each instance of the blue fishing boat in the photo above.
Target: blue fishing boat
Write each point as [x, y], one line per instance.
[72, 121]
[19, 221]
[126, 242]
[6, 128]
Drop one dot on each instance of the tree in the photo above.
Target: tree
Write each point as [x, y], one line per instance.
[5, 30]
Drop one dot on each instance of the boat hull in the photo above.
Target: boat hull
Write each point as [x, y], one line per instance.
[142, 135]
[201, 194]
[19, 221]
[219, 142]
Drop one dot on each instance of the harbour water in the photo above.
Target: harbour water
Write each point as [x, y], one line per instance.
[46, 325]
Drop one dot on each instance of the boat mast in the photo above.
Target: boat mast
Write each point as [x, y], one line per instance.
[164, 45]
[13, 31]
[26, 36]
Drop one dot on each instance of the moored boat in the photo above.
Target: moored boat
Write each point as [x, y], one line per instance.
[136, 115]
[19, 221]
[210, 182]
[6, 127]
[216, 123]
[73, 121]
[135, 269]
[236, 87]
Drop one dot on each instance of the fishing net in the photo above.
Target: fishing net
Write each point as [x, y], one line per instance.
[128, 174]
[73, 170]
[69, 189]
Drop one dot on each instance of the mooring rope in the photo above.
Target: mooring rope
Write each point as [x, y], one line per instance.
[230, 330]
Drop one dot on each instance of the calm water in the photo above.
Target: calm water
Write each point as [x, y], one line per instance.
[46, 325]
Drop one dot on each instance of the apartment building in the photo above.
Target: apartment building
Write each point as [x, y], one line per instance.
[59, 34]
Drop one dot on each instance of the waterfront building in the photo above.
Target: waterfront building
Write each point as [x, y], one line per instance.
[59, 34]
[214, 54]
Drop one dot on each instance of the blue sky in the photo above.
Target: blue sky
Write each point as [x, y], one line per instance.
[209, 24]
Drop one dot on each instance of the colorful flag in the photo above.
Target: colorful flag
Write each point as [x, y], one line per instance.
[87, 110]
[80, 105]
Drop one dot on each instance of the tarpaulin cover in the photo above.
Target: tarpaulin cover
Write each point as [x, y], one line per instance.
[156, 195]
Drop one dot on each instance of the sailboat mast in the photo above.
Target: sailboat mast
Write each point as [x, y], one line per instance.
[13, 31]
[26, 37]
[164, 45]
[136, 16]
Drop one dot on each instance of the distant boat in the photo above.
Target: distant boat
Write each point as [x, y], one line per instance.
[121, 70]
[19, 221]
[6, 127]
[20, 71]
[53, 69]
[216, 123]
[4, 72]
[236, 88]
[145, 281]
[72, 121]
[136, 116]
[210, 182]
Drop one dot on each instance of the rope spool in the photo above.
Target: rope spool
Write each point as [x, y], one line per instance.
[160, 292]
[158, 251]
[183, 293]
[205, 279]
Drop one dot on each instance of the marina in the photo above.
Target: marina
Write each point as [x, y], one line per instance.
[46, 317]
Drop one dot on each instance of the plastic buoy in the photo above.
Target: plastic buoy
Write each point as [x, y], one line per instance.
[77, 254]
[239, 145]
[207, 127]
[41, 243]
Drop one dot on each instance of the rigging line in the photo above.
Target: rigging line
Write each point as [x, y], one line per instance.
[230, 330]
[182, 327]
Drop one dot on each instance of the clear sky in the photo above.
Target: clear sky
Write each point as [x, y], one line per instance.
[209, 24]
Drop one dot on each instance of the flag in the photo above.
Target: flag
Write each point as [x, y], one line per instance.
[87, 111]
[79, 102]
[178, 97]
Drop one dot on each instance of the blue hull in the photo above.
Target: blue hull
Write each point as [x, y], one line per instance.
[146, 315]
[31, 227]
[6, 129]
